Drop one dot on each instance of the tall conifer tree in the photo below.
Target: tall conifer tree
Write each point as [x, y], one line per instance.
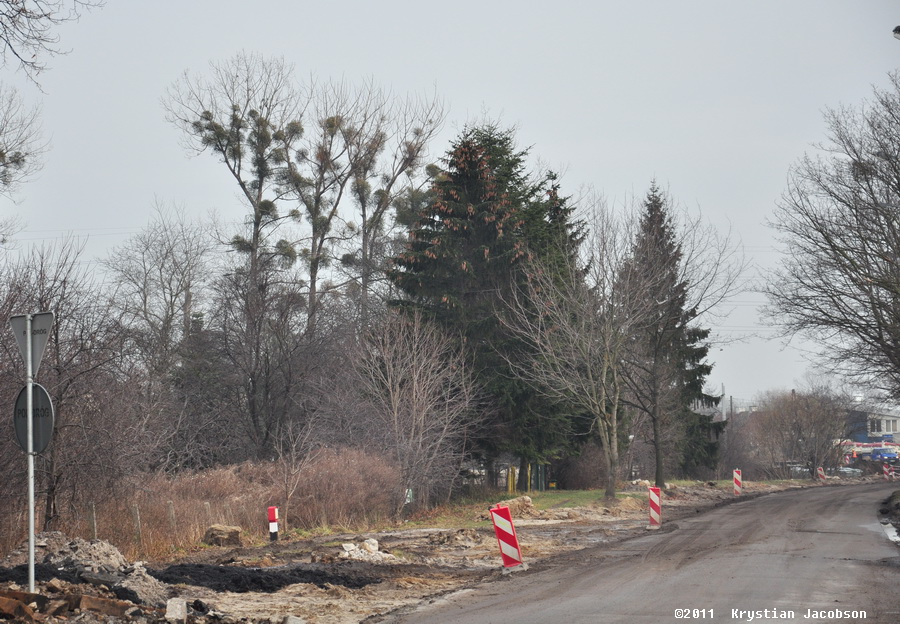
[466, 250]
[667, 369]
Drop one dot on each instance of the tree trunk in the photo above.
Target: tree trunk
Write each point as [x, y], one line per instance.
[657, 449]
[522, 477]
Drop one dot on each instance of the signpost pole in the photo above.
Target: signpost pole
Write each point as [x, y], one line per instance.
[29, 381]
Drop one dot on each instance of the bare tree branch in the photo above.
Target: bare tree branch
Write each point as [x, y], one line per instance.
[27, 29]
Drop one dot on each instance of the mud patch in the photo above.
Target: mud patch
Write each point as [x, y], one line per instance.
[267, 580]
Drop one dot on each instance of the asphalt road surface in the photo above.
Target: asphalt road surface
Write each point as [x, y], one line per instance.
[813, 555]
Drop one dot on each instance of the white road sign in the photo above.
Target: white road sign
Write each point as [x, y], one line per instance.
[40, 335]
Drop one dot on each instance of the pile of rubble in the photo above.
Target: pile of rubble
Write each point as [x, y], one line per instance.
[78, 577]
[27, 607]
[366, 551]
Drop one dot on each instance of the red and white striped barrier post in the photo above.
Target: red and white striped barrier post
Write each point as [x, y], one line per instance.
[506, 536]
[655, 508]
[821, 473]
[888, 471]
[273, 524]
[738, 484]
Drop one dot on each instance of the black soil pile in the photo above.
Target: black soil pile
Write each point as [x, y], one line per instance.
[267, 580]
[43, 573]
[891, 508]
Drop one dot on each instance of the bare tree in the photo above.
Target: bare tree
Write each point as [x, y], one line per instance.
[380, 180]
[91, 446]
[296, 450]
[422, 401]
[577, 330]
[27, 29]
[21, 142]
[839, 218]
[317, 149]
[160, 276]
[247, 113]
[361, 145]
[799, 428]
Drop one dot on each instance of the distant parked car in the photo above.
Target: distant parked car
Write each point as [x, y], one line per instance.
[844, 471]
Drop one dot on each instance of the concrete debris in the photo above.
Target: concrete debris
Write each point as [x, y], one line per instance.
[82, 556]
[222, 535]
[176, 611]
[365, 551]
[141, 588]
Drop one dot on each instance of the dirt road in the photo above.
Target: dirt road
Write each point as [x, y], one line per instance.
[817, 555]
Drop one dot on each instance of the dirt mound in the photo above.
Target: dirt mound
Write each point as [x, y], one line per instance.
[630, 504]
[460, 538]
[519, 507]
[242, 580]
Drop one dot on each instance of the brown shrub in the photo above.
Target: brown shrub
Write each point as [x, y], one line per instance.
[346, 487]
[153, 517]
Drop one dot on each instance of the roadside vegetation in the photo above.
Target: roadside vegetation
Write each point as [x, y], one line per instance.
[395, 325]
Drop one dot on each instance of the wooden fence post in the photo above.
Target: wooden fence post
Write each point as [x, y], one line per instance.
[93, 520]
[172, 524]
[136, 514]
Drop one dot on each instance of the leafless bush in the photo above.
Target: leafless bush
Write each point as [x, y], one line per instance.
[421, 399]
[581, 472]
[347, 487]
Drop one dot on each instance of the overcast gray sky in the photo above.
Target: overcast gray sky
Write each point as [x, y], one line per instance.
[713, 99]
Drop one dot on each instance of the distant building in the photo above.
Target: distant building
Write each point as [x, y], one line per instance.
[873, 424]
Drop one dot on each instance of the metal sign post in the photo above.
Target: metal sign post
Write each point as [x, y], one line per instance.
[29, 380]
[32, 332]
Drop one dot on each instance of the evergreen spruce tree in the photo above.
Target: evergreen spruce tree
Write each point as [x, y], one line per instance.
[667, 368]
[466, 249]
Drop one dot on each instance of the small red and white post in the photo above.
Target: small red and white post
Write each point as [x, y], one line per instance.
[888, 471]
[821, 473]
[506, 536]
[655, 508]
[273, 524]
[738, 484]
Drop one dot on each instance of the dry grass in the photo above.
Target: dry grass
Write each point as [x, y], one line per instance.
[157, 516]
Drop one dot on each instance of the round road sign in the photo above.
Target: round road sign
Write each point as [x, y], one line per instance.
[42, 410]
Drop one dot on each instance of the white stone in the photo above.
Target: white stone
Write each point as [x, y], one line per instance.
[176, 610]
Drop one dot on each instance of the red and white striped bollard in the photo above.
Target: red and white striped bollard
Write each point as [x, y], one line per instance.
[821, 473]
[506, 536]
[738, 484]
[655, 508]
[273, 524]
